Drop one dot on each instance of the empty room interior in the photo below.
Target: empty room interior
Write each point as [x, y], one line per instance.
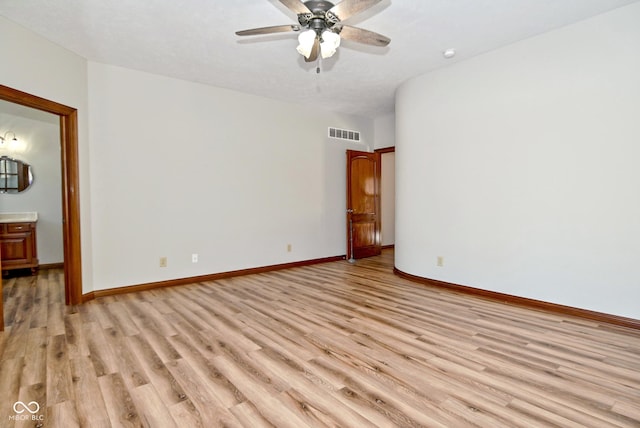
[357, 213]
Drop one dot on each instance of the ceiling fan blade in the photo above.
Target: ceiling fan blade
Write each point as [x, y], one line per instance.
[362, 36]
[296, 6]
[268, 30]
[348, 8]
[314, 51]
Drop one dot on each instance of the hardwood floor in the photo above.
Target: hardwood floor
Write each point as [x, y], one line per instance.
[333, 344]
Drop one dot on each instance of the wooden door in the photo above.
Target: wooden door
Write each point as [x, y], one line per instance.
[363, 204]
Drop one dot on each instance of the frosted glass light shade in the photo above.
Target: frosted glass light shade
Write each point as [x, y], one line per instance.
[329, 44]
[306, 40]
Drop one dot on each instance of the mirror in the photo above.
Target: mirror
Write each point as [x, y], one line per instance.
[15, 175]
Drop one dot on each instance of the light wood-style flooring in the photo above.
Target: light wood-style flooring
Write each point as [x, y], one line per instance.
[333, 345]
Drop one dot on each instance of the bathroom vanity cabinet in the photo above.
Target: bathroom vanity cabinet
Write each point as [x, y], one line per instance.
[18, 248]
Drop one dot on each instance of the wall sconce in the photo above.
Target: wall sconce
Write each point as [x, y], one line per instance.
[3, 140]
[10, 144]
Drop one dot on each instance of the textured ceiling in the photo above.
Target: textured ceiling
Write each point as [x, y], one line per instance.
[194, 40]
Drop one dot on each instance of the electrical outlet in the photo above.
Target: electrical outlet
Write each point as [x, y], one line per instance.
[163, 262]
[440, 261]
[288, 248]
[194, 258]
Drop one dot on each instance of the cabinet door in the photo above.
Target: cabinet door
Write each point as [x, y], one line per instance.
[16, 249]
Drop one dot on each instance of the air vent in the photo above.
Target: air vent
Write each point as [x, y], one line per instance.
[344, 134]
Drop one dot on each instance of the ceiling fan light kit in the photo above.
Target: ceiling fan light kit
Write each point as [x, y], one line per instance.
[329, 42]
[321, 28]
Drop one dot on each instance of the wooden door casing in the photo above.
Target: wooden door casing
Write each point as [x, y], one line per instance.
[363, 204]
[70, 185]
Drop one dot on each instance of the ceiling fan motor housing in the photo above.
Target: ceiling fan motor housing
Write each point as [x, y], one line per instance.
[318, 6]
[320, 18]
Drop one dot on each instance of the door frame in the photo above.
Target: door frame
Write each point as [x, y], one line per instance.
[383, 151]
[70, 185]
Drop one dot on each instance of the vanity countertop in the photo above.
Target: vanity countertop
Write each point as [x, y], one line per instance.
[18, 217]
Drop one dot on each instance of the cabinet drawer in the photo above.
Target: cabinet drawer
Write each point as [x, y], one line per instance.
[18, 227]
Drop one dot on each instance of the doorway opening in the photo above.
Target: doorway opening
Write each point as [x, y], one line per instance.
[70, 185]
[387, 196]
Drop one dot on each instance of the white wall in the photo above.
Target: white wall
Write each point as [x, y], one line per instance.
[385, 131]
[519, 167]
[40, 148]
[42, 68]
[232, 177]
[180, 168]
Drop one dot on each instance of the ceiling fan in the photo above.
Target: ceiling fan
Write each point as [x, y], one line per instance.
[321, 27]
